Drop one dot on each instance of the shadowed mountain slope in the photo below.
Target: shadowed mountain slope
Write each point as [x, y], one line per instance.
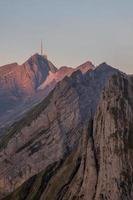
[53, 129]
[96, 160]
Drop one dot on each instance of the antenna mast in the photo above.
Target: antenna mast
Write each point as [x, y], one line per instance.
[41, 48]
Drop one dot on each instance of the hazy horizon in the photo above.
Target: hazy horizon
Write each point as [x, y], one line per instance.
[73, 32]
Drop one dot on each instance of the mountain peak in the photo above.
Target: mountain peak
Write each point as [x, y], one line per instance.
[104, 66]
[35, 57]
[86, 66]
[41, 61]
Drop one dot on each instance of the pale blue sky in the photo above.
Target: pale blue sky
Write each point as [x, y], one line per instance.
[73, 31]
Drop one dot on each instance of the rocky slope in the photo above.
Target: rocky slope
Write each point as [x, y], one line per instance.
[53, 129]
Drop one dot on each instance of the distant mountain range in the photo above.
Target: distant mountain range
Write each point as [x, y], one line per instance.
[76, 143]
[21, 86]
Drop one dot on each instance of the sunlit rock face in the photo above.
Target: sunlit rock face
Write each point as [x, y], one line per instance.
[53, 79]
[38, 68]
[52, 131]
[19, 81]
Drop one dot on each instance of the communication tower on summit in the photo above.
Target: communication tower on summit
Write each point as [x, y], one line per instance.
[42, 54]
[41, 48]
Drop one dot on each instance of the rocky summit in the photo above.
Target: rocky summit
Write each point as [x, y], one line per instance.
[75, 144]
[19, 81]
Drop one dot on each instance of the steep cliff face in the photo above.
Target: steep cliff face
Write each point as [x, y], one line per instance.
[52, 129]
[113, 139]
